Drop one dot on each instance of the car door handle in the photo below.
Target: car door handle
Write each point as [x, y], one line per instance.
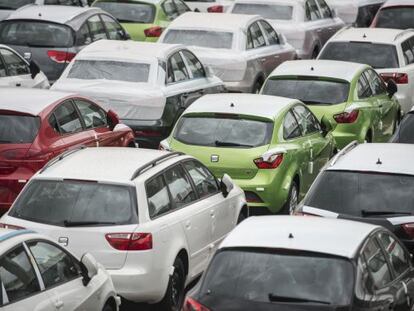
[188, 224]
[212, 214]
[18, 84]
[263, 60]
[59, 304]
[276, 56]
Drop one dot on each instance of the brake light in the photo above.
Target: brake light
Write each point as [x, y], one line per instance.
[149, 133]
[409, 229]
[13, 227]
[60, 57]
[271, 162]
[215, 9]
[347, 117]
[153, 32]
[130, 241]
[301, 213]
[399, 78]
[192, 305]
[252, 197]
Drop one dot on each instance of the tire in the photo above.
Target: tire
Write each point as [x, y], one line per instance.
[257, 87]
[292, 200]
[241, 218]
[108, 307]
[174, 297]
[368, 138]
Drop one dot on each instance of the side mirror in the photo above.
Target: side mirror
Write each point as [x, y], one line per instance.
[196, 10]
[34, 69]
[326, 126]
[209, 72]
[226, 185]
[124, 35]
[112, 119]
[392, 88]
[90, 2]
[89, 268]
[334, 13]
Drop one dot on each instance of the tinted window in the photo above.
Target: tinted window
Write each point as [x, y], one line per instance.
[83, 35]
[92, 115]
[182, 193]
[309, 91]
[268, 11]
[97, 28]
[114, 30]
[377, 264]
[66, 202]
[129, 12]
[18, 129]
[397, 256]
[306, 120]
[203, 38]
[14, 4]
[257, 36]
[405, 132]
[396, 17]
[68, 119]
[204, 181]
[290, 127]
[326, 11]
[364, 88]
[194, 64]
[268, 275]
[270, 33]
[32, 33]
[158, 197]
[223, 132]
[15, 65]
[377, 85]
[313, 10]
[375, 55]
[177, 71]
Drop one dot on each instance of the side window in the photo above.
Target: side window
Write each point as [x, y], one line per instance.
[270, 33]
[204, 181]
[176, 69]
[97, 28]
[170, 9]
[257, 36]
[17, 275]
[55, 265]
[398, 257]
[363, 284]
[182, 192]
[15, 65]
[194, 65]
[377, 85]
[325, 10]
[92, 115]
[67, 118]
[114, 30]
[407, 51]
[2, 69]
[158, 197]
[181, 7]
[306, 119]
[83, 36]
[314, 13]
[364, 90]
[249, 40]
[290, 127]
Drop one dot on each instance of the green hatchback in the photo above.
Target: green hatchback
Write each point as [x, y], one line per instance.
[352, 96]
[144, 20]
[272, 147]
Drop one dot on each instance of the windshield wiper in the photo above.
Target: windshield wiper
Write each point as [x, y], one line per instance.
[6, 8]
[231, 144]
[129, 21]
[5, 141]
[68, 223]
[276, 298]
[309, 102]
[379, 213]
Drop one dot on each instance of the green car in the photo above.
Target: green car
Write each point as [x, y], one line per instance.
[352, 96]
[272, 147]
[144, 20]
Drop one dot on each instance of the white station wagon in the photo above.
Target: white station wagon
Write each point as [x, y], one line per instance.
[151, 218]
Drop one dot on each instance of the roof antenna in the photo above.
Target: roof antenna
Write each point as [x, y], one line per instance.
[290, 236]
[379, 162]
[231, 105]
[364, 36]
[40, 14]
[312, 69]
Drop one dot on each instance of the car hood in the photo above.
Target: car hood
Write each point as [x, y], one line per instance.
[137, 101]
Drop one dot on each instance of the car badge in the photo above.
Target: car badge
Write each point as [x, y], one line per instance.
[214, 158]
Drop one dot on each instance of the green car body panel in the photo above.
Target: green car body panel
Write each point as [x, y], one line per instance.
[272, 186]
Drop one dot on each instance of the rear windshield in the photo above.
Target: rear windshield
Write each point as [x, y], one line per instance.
[223, 132]
[309, 91]
[109, 70]
[397, 18]
[35, 34]
[362, 194]
[268, 11]
[72, 203]
[275, 276]
[375, 55]
[203, 38]
[405, 132]
[17, 129]
[129, 12]
[14, 4]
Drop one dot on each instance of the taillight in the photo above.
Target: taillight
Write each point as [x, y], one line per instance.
[347, 117]
[192, 305]
[13, 227]
[148, 133]
[215, 9]
[399, 78]
[130, 241]
[252, 197]
[409, 229]
[301, 213]
[60, 57]
[271, 162]
[153, 32]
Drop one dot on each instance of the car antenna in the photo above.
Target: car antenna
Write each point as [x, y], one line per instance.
[379, 162]
[231, 105]
[364, 36]
[312, 69]
[290, 236]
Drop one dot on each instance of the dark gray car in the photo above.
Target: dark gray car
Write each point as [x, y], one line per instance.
[52, 35]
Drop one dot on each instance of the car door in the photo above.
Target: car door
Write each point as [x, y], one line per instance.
[314, 25]
[329, 24]
[16, 69]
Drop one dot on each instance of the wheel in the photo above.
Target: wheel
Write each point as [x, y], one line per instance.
[257, 87]
[292, 200]
[174, 296]
[108, 307]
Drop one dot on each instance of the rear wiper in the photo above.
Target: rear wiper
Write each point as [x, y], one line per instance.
[228, 143]
[37, 45]
[5, 141]
[7, 8]
[68, 223]
[276, 298]
[379, 213]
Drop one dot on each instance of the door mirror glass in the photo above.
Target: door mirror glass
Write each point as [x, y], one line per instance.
[391, 88]
[326, 125]
[89, 268]
[226, 185]
[113, 119]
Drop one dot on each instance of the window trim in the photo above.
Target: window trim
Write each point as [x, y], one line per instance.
[168, 69]
[80, 114]
[265, 32]
[57, 121]
[297, 124]
[6, 66]
[188, 66]
[316, 119]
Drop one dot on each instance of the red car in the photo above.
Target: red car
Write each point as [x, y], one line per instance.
[396, 14]
[38, 125]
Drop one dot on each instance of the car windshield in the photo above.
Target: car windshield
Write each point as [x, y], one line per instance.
[405, 132]
[203, 38]
[279, 276]
[223, 132]
[18, 129]
[35, 34]
[396, 17]
[109, 70]
[268, 11]
[375, 55]
[310, 91]
[68, 202]
[14, 4]
[129, 11]
[361, 193]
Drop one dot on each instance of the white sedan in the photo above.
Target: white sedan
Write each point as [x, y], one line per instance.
[356, 12]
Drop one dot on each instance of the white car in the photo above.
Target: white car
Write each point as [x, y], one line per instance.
[37, 274]
[152, 218]
[242, 49]
[148, 85]
[389, 51]
[307, 24]
[359, 13]
[15, 71]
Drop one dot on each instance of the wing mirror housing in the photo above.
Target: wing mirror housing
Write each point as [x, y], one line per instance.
[89, 267]
[392, 88]
[326, 126]
[209, 71]
[113, 119]
[226, 185]
[34, 69]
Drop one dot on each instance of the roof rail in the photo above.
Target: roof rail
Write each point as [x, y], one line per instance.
[344, 151]
[402, 33]
[154, 163]
[61, 157]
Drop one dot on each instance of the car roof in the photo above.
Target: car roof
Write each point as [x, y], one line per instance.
[320, 68]
[376, 35]
[391, 3]
[29, 101]
[311, 234]
[264, 106]
[381, 158]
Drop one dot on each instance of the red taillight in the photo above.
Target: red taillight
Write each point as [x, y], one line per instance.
[192, 305]
[148, 133]
[271, 162]
[130, 241]
[13, 227]
[153, 32]
[409, 229]
[347, 117]
[60, 56]
[399, 78]
[301, 213]
[215, 9]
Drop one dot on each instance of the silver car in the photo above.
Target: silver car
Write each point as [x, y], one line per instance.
[307, 24]
[242, 49]
[52, 35]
